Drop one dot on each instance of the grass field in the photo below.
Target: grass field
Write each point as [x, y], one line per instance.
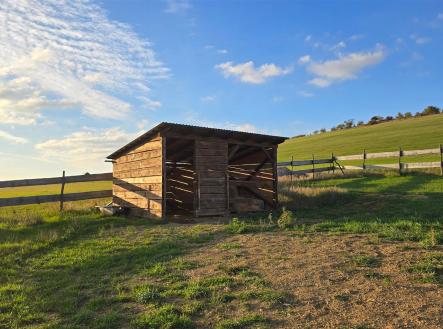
[364, 252]
[410, 134]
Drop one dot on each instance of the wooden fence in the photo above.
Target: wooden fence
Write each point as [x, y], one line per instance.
[61, 197]
[334, 163]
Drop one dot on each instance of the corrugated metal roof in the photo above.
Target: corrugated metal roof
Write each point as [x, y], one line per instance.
[205, 131]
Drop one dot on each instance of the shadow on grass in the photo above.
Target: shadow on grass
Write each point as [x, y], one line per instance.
[75, 276]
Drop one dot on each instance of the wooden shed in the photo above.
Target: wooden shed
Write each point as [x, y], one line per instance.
[178, 170]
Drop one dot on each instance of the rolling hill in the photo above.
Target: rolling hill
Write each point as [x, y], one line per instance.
[409, 134]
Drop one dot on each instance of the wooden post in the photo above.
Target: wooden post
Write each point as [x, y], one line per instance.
[292, 169]
[275, 174]
[400, 154]
[333, 163]
[364, 161]
[441, 159]
[62, 191]
[164, 181]
[313, 167]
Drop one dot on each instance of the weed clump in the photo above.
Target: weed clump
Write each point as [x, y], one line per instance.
[286, 219]
[147, 294]
[166, 317]
[236, 226]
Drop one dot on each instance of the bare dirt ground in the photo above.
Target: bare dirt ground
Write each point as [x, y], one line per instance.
[332, 281]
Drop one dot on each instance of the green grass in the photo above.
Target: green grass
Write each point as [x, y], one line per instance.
[410, 134]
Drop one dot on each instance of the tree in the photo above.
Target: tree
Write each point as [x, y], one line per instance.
[349, 123]
[375, 119]
[322, 130]
[360, 123]
[407, 115]
[400, 116]
[430, 110]
[389, 118]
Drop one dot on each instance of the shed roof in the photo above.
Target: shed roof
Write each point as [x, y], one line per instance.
[200, 131]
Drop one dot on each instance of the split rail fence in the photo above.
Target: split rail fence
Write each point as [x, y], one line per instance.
[327, 165]
[62, 196]
[333, 163]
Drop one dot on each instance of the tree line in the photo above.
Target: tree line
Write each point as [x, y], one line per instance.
[377, 119]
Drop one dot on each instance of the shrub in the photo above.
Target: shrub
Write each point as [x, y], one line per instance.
[236, 226]
[286, 219]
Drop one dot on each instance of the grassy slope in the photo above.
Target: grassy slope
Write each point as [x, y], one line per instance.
[416, 133]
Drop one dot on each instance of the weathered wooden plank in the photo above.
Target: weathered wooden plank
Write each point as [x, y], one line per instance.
[350, 157]
[382, 155]
[212, 152]
[412, 165]
[148, 146]
[309, 171]
[421, 152]
[17, 201]
[124, 187]
[211, 212]
[138, 156]
[212, 174]
[56, 180]
[138, 194]
[211, 159]
[143, 180]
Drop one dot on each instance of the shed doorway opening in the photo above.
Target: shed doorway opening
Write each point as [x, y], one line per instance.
[180, 177]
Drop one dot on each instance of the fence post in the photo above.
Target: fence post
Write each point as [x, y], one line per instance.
[313, 167]
[292, 169]
[441, 160]
[364, 161]
[333, 163]
[400, 154]
[62, 191]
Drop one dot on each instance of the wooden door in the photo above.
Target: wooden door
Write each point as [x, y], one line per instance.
[211, 164]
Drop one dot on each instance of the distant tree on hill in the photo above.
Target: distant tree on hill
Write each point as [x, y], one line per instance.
[430, 110]
[349, 123]
[360, 123]
[389, 118]
[322, 130]
[400, 116]
[375, 119]
[407, 115]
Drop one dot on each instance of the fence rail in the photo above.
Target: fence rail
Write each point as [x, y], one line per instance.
[335, 165]
[61, 197]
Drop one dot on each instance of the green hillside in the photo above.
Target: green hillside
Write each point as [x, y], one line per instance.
[409, 134]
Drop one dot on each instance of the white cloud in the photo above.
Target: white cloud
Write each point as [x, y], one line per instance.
[209, 98]
[356, 37]
[304, 59]
[177, 6]
[222, 51]
[87, 145]
[11, 138]
[440, 16]
[338, 46]
[346, 67]
[419, 40]
[308, 38]
[70, 53]
[304, 93]
[248, 73]
[149, 103]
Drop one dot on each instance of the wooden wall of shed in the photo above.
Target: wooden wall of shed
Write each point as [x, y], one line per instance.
[262, 181]
[137, 182]
[211, 160]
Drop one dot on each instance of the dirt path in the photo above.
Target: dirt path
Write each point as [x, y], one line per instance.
[335, 281]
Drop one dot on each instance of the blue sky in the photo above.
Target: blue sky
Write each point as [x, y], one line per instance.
[80, 79]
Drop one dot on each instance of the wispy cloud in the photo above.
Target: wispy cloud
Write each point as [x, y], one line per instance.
[177, 6]
[84, 145]
[248, 73]
[209, 98]
[345, 67]
[71, 55]
[12, 138]
[304, 93]
[222, 51]
[304, 59]
[440, 16]
[420, 40]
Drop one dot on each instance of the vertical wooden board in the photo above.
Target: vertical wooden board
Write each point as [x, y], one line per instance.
[211, 163]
